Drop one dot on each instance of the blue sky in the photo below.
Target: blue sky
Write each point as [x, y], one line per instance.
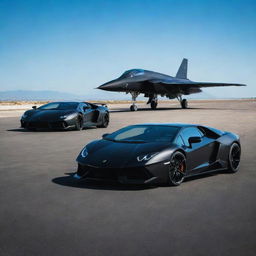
[74, 46]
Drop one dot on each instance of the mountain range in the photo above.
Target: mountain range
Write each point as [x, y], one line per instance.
[32, 95]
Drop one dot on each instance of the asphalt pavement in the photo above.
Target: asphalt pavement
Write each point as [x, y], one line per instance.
[44, 211]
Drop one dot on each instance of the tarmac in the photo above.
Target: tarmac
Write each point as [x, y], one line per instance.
[44, 211]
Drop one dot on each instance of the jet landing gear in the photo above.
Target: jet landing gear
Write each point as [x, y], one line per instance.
[134, 107]
[183, 102]
[153, 102]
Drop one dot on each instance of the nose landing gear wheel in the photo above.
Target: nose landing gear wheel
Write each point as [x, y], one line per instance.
[133, 108]
[177, 169]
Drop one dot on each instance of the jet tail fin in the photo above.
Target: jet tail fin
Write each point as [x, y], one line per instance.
[183, 69]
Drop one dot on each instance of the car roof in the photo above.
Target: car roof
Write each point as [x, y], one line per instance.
[65, 102]
[181, 125]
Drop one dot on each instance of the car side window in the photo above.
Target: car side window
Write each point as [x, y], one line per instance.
[86, 107]
[179, 141]
[189, 132]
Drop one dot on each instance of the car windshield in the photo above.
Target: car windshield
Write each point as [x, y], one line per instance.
[144, 133]
[59, 106]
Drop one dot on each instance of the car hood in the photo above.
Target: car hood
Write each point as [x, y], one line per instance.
[46, 115]
[109, 154]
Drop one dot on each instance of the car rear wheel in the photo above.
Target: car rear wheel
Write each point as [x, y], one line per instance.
[177, 169]
[234, 157]
[105, 122]
[79, 123]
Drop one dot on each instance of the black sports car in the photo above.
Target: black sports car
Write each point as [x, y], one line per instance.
[65, 115]
[159, 153]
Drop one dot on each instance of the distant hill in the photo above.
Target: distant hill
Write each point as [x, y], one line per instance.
[30, 95]
[37, 95]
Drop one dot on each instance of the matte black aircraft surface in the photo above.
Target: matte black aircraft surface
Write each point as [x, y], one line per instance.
[159, 153]
[65, 116]
[152, 84]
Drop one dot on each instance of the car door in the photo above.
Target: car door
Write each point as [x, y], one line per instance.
[198, 154]
[87, 113]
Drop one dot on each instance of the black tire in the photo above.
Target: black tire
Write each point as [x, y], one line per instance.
[177, 169]
[234, 157]
[133, 108]
[79, 123]
[184, 103]
[105, 122]
[153, 104]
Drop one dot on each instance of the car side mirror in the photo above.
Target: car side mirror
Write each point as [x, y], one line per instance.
[86, 107]
[34, 107]
[104, 135]
[194, 140]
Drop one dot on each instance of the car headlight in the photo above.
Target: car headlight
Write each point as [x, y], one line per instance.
[146, 157]
[67, 117]
[84, 152]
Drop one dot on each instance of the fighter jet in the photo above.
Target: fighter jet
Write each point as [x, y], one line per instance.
[152, 84]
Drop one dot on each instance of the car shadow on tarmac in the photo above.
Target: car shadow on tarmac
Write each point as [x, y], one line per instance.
[69, 181]
[18, 130]
[46, 130]
[205, 175]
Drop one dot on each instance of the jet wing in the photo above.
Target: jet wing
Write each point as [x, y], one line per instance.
[188, 83]
[212, 84]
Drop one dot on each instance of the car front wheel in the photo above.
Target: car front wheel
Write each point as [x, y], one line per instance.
[177, 169]
[79, 123]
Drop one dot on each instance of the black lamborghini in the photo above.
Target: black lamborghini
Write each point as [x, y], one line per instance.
[65, 116]
[159, 153]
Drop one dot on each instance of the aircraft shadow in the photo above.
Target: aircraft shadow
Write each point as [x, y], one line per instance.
[69, 181]
[164, 109]
[144, 109]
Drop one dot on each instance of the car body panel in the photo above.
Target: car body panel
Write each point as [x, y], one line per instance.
[120, 158]
[91, 114]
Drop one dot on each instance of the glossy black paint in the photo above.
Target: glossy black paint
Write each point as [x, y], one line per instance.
[64, 119]
[117, 160]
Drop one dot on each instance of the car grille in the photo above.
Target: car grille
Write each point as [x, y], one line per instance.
[38, 124]
[137, 173]
[46, 125]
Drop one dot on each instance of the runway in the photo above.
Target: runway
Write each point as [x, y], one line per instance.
[44, 211]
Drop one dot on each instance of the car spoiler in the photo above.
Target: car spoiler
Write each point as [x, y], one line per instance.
[98, 104]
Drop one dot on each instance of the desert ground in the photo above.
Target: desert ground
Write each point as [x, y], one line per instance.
[44, 211]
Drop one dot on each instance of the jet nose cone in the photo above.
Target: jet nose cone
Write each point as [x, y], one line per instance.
[102, 87]
[109, 86]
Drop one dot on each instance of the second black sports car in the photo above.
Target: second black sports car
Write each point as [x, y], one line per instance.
[162, 153]
[65, 115]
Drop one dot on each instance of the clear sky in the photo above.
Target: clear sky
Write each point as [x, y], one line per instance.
[75, 46]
